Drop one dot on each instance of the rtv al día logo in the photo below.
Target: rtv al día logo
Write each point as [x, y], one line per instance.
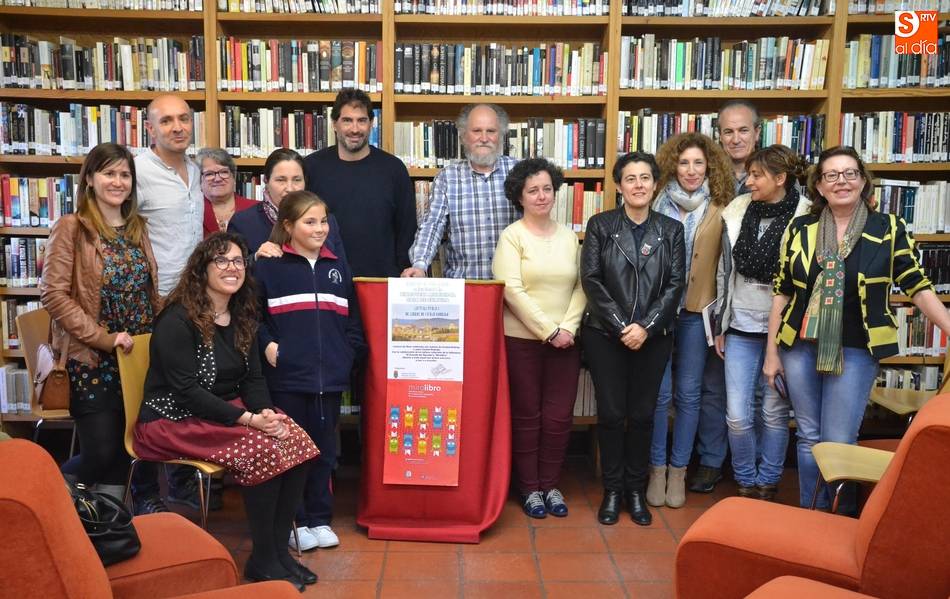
[915, 31]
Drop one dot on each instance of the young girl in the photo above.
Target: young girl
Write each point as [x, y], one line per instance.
[310, 334]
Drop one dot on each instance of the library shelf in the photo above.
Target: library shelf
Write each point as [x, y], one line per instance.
[94, 14]
[25, 231]
[912, 360]
[907, 167]
[12, 353]
[897, 93]
[538, 21]
[239, 17]
[899, 298]
[326, 97]
[469, 99]
[719, 22]
[575, 173]
[37, 159]
[23, 291]
[97, 95]
[34, 416]
[887, 18]
[932, 237]
[725, 94]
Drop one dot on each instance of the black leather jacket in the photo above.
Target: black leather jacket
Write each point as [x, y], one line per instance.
[618, 277]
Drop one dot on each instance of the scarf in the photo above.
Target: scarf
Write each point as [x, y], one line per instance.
[757, 257]
[270, 208]
[685, 200]
[822, 319]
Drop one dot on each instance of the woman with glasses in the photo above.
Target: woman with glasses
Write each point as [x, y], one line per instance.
[218, 180]
[205, 398]
[310, 335]
[753, 226]
[830, 322]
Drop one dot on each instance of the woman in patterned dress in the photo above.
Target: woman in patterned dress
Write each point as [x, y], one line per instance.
[99, 289]
[205, 398]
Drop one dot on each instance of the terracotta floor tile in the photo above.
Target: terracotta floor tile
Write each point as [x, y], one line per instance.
[422, 547]
[512, 515]
[345, 565]
[569, 540]
[421, 566]
[342, 589]
[646, 567]
[680, 518]
[502, 590]
[506, 567]
[596, 567]
[587, 590]
[579, 514]
[501, 538]
[638, 540]
[649, 590]
[353, 538]
[413, 589]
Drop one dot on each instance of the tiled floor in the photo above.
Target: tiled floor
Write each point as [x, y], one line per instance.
[571, 557]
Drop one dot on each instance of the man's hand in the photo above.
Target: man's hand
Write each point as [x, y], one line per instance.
[412, 271]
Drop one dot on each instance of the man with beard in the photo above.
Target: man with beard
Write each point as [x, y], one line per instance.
[469, 197]
[368, 191]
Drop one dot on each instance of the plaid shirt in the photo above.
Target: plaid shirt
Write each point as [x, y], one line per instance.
[475, 208]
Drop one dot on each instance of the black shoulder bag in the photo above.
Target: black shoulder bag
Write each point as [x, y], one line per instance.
[107, 522]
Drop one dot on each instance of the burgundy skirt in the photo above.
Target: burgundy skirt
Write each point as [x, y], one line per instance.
[250, 455]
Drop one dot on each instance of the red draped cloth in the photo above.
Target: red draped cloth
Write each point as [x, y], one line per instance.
[449, 514]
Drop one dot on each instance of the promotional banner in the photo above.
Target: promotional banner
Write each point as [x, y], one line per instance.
[424, 388]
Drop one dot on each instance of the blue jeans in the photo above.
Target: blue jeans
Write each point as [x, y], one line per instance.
[711, 439]
[690, 355]
[827, 407]
[744, 357]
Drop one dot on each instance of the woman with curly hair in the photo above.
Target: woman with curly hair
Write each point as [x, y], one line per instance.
[205, 398]
[696, 182]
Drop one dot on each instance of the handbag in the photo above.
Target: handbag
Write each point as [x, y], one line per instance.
[51, 383]
[107, 522]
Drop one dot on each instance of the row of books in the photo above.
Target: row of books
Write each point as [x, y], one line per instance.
[585, 404]
[704, 63]
[935, 260]
[728, 8]
[15, 390]
[925, 207]
[916, 334]
[177, 5]
[890, 136]
[150, 64]
[26, 129]
[871, 61]
[35, 201]
[645, 131]
[256, 132]
[308, 66]
[21, 264]
[509, 8]
[338, 7]
[558, 69]
[569, 144]
[889, 6]
[924, 378]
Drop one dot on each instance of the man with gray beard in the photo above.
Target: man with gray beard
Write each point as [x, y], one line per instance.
[469, 197]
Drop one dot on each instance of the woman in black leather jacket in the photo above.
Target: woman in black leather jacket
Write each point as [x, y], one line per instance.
[632, 270]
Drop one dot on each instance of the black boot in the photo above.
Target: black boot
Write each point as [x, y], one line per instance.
[609, 511]
[637, 504]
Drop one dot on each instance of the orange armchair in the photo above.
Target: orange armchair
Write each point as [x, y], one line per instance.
[46, 553]
[896, 549]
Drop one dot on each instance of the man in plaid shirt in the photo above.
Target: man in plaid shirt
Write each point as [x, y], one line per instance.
[469, 197]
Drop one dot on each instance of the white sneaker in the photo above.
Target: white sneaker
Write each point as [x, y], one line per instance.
[324, 536]
[308, 540]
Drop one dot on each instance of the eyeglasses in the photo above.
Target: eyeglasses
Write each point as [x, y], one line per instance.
[224, 175]
[222, 263]
[850, 174]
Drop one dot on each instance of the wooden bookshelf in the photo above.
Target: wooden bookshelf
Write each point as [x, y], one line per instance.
[899, 298]
[25, 231]
[21, 291]
[912, 361]
[932, 238]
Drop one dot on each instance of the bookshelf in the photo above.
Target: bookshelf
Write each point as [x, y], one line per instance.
[392, 28]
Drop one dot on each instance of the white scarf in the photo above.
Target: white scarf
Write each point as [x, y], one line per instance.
[685, 200]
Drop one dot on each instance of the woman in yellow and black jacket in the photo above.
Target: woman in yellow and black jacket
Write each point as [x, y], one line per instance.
[830, 321]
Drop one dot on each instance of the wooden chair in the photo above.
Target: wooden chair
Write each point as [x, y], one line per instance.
[132, 369]
[33, 330]
[842, 462]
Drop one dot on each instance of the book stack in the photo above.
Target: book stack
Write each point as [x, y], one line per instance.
[508, 8]
[645, 131]
[935, 260]
[36, 201]
[585, 404]
[925, 207]
[916, 335]
[179, 5]
[925, 378]
[16, 389]
[256, 132]
[889, 6]
[21, 264]
[889, 136]
[137, 64]
[705, 63]
[555, 69]
[309, 66]
[338, 7]
[423, 188]
[576, 202]
[10, 308]
[37, 131]
[249, 185]
[728, 8]
[870, 62]
[569, 144]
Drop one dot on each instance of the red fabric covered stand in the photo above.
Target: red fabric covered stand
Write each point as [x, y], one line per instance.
[447, 514]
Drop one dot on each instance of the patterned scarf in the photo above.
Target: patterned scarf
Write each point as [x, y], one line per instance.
[823, 317]
[757, 257]
[270, 208]
[671, 199]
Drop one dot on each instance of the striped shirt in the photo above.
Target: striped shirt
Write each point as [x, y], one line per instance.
[474, 207]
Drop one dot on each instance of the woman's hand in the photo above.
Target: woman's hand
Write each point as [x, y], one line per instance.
[633, 336]
[270, 353]
[271, 423]
[772, 366]
[720, 345]
[562, 340]
[124, 341]
[269, 249]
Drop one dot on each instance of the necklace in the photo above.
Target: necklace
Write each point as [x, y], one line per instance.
[217, 315]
